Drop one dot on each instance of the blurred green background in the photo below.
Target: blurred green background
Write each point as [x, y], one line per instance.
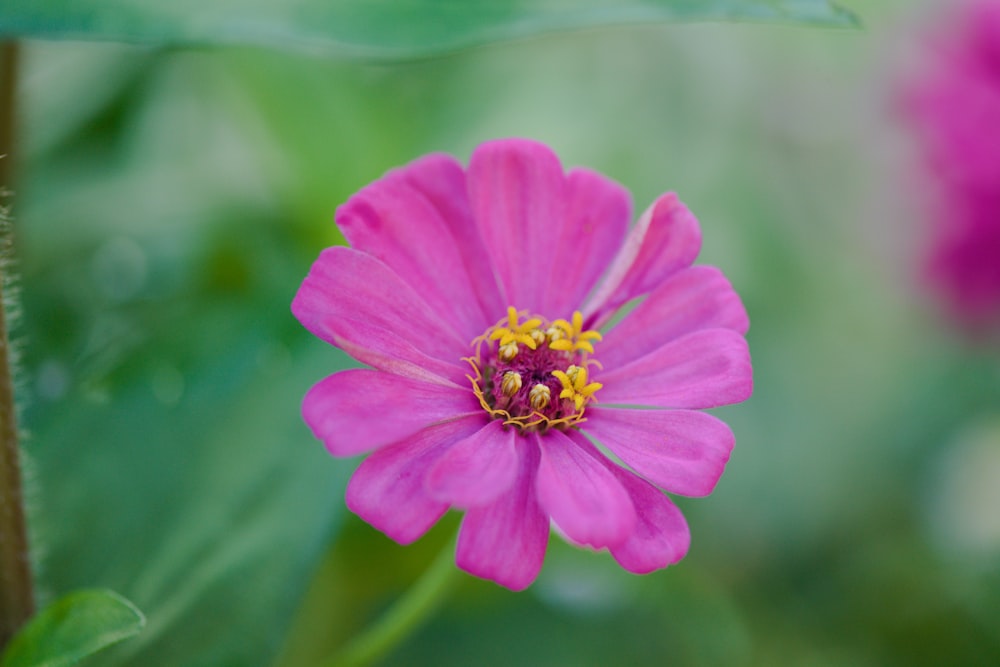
[169, 201]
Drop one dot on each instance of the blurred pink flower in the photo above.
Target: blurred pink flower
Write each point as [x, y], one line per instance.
[476, 296]
[955, 105]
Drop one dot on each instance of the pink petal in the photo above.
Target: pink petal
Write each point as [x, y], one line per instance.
[665, 240]
[518, 195]
[348, 284]
[661, 536]
[393, 221]
[387, 489]
[692, 299]
[505, 540]
[387, 352]
[441, 179]
[682, 451]
[598, 214]
[358, 410]
[587, 502]
[476, 470]
[704, 369]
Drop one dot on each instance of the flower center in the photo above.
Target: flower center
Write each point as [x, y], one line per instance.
[534, 374]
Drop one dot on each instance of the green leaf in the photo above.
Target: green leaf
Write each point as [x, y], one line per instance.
[197, 491]
[171, 459]
[375, 28]
[72, 628]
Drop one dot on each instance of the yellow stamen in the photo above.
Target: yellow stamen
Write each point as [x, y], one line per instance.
[575, 386]
[570, 336]
[564, 326]
[539, 396]
[511, 383]
[508, 351]
[526, 333]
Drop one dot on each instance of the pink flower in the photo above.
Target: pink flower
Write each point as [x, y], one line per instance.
[476, 295]
[955, 103]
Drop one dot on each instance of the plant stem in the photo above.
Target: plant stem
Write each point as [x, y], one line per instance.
[17, 602]
[415, 607]
[8, 91]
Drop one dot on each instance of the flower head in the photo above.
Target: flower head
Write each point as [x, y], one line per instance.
[479, 297]
[955, 104]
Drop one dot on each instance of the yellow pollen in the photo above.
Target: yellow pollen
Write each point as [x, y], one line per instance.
[511, 383]
[554, 333]
[508, 351]
[539, 397]
[515, 333]
[575, 386]
[570, 336]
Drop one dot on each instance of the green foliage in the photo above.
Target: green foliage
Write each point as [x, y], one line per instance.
[72, 628]
[374, 29]
[171, 458]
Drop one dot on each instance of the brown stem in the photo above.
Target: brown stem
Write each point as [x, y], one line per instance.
[8, 83]
[17, 602]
